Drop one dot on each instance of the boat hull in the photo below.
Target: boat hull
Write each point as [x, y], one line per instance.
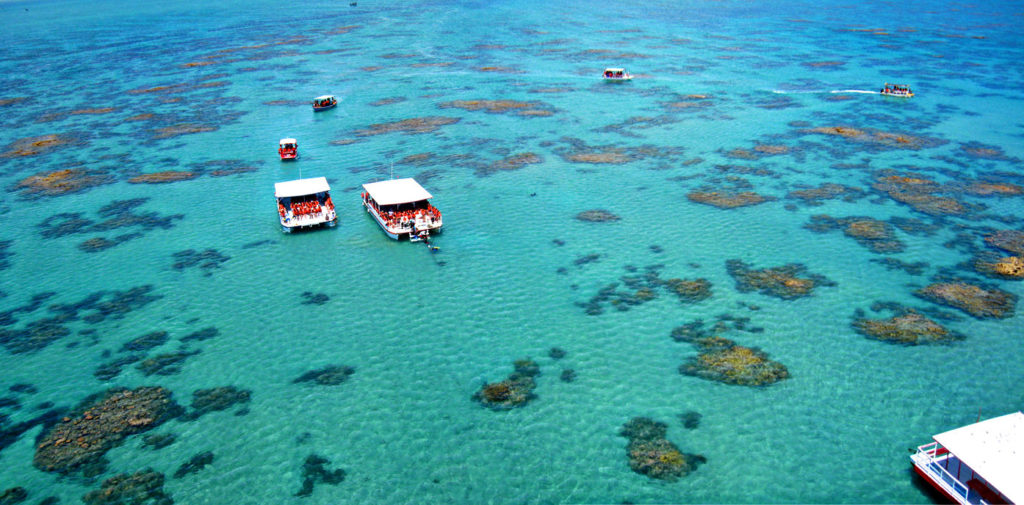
[326, 107]
[288, 156]
[935, 485]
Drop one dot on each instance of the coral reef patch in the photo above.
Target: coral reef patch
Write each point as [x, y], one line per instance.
[314, 470]
[653, 455]
[330, 375]
[908, 327]
[216, 399]
[981, 302]
[787, 282]
[145, 487]
[100, 423]
[597, 216]
[514, 391]
[207, 261]
[194, 464]
[877, 236]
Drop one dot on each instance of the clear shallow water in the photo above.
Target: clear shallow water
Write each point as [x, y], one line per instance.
[424, 336]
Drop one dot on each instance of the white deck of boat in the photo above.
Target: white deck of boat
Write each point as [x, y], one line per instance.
[994, 449]
[396, 191]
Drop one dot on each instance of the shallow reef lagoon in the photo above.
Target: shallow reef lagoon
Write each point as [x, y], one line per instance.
[784, 279]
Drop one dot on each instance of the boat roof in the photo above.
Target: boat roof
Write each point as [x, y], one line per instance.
[301, 187]
[289, 141]
[614, 70]
[325, 97]
[994, 449]
[395, 191]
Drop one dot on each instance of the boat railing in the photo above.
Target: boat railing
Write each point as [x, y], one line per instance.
[927, 459]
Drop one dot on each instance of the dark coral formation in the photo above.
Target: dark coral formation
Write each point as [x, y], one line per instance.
[163, 177]
[111, 369]
[999, 266]
[330, 375]
[653, 455]
[200, 335]
[165, 364]
[61, 182]
[568, 375]
[511, 162]
[409, 126]
[145, 487]
[158, 441]
[877, 139]
[982, 302]
[314, 470]
[644, 288]
[919, 193]
[1007, 240]
[33, 146]
[116, 215]
[146, 342]
[311, 298]
[205, 401]
[195, 464]
[826, 191]
[514, 391]
[690, 419]
[5, 254]
[100, 423]
[727, 199]
[787, 282]
[207, 261]
[556, 353]
[597, 216]
[519, 108]
[878, 236]
[13, 495]
[578, 151]
[908, 327]
[723, 360]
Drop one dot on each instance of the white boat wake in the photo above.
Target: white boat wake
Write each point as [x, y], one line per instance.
[811, 92]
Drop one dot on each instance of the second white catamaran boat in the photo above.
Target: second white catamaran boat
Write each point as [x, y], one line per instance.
[402, 209]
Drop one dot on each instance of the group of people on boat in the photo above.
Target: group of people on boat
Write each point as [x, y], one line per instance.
[326, 102]
[404, 218]
[311, 207]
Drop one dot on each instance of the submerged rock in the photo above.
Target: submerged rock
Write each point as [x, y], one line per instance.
[722, 360]
[165, 364]
[100, 423]
[784, 282]
[142, 487]
[651, 454]
[205, 401]
[331, 375]
[515, 391]
[597, 216]
[314, 470]
[195, 464]
[728, 199]
[975, 300]
[13, 495]
[910, 328]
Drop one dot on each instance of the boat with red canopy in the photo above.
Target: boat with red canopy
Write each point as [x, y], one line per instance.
[288, 149]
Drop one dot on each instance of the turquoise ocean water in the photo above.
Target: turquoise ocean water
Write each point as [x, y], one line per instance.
[726, 98]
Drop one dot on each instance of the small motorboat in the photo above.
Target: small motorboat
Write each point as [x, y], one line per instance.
[900, 90]
[324, 102]
[288, 149]
[616, 74]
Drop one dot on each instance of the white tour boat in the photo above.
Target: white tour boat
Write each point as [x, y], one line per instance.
[304, 203]
[616, 74]
[897, 90]
[402, 209]
[978, 463]
[324, 102]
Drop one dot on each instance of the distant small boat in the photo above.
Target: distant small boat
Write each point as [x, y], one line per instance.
[976, 464]
[288, 149]
[304, 203]
[616, 74]
[402, 209]
[324, 102]
[900, 90]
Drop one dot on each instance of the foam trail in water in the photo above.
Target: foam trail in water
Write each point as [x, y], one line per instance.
[854, 91]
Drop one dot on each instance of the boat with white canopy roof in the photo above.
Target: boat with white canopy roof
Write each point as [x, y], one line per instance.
[978, 463]
[402, 209]
[304, 203]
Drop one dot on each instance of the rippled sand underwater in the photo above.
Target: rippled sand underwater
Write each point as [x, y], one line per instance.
[742, 277]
